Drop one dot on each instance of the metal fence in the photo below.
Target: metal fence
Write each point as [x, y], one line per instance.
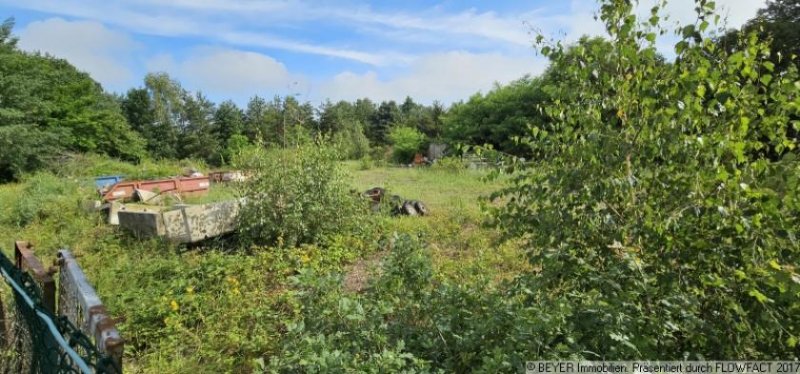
[34, 338]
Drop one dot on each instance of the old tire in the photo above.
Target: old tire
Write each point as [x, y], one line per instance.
[421, 208]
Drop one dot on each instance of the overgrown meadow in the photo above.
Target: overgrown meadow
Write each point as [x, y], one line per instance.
[217, 307]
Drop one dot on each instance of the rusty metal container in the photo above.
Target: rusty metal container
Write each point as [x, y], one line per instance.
[183, 185]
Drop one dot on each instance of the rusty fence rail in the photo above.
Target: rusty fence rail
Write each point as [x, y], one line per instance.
[74, 335]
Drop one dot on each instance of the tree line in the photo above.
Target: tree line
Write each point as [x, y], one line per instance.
[49, 108]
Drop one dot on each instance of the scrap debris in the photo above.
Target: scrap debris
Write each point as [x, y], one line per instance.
[399, 206]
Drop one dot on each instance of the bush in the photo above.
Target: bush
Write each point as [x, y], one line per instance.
[350, 142]
[408, 320]
[26, 148]
[298, 196]
[660, 228]
[406, 142]
[450, 164]
[44, 195]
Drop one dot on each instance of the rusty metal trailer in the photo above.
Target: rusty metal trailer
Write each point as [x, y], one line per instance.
[183, 185]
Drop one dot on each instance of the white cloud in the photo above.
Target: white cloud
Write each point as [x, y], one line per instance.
[736, 12]
[252, 39]
[469, 23]
[446, 77]
[88, 45]
[266, 24]
[210, 25]
[228, 73]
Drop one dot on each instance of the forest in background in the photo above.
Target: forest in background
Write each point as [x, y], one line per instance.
[48, 107]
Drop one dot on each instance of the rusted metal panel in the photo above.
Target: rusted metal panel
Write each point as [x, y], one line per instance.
[122, 190]
[190, 185]
[195, 184]
[27, 261]
[79, 302]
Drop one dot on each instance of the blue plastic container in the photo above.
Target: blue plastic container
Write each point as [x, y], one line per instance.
[108, 180]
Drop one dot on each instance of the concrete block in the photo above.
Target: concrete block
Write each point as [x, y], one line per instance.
[115, 207]
[184, 223]
[142, 224]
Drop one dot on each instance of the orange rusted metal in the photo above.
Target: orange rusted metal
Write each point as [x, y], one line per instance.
[183, 185]
[27, 262]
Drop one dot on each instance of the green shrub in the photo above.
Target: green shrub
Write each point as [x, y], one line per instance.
[298, 196]
[236, 144]
[450, 164]
[406, 142]
[407, 320]
[659, 226]
[366, 163]
[91, 165]
[341, 332]
[44, 195]
[27, 149]
[350, 142]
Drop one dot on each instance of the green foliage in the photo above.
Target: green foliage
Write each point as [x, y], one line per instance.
[198, 138]
[44, 196]
[499, 117]
[407, 320]
[346, 333]
[46, 94]
[228, 121]
[7, 40]
[777, 25]
[383, 118]
[26, 148]
[406, 142]
[451, 164]
[221, 310]
[237, 144]
[350, 142]
[660, 226]
[298, 196]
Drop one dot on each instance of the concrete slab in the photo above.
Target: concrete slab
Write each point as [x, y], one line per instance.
[183, 223]
[115, 207]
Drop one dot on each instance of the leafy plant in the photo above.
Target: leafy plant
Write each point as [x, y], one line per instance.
[351, 142]
[451, 164]
[406, 142]
[660, 222]
[298, 196]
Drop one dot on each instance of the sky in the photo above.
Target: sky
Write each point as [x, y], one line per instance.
[316, 50]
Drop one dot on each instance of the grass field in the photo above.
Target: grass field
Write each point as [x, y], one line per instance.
[206, 310]
[441, 190]
[461, 246]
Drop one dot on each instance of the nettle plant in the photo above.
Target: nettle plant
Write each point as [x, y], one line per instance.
[662, 208]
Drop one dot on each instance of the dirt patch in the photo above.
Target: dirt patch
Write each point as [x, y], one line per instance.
[358, 274]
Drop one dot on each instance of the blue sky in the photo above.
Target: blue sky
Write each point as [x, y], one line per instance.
[233, 49]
